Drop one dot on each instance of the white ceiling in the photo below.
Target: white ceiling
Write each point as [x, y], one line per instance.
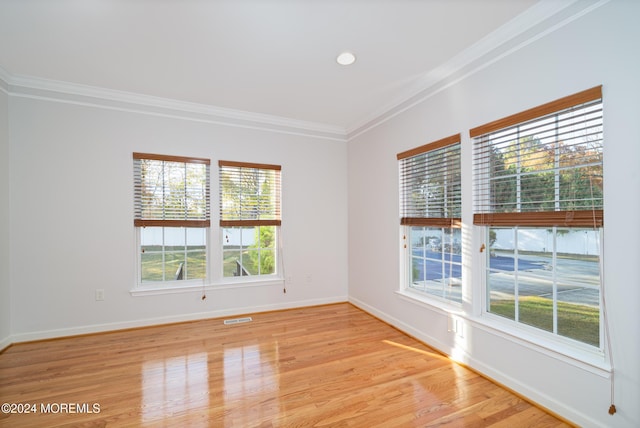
[272, 57]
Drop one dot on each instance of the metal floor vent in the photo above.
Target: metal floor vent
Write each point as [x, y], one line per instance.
[238, 320]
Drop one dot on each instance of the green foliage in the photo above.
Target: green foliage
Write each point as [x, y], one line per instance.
[173, 190]
[428, 194]
[262, 253]
[493, 237]
[535, 172]
[579, 322]
[415, 270]
[155, 267]
[247, 193]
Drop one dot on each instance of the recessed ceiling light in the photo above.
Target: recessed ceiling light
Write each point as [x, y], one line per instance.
[346, 58]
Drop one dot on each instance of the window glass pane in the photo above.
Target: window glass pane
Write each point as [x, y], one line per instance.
[578, 273]
[152, 258]
[249, 251]
[171, 190]
[196, 257]
[501, 272]
[430, 184]
[175, 260]
[175, 237]
[267, 262]
[418, 271]
[550, 263]
[537, 192]
[232, 246]
[549, 163]
[418, 247]
[172, 253]
[535, 277]
[504, 194]
[232, 263]
[581, 188]
[436, 267]
[152, 265]
[248, 193]
[251, 262]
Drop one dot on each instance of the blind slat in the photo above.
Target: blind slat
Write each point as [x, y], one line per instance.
[593, 218]
[448, 141]
[544, 170]
[540, 111]
[171, 191]
[430, 188]
[249, 194]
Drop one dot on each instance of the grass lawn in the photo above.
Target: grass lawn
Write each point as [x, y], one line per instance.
[248, 262]
[579, 322]
[195, 261]
[153, 265]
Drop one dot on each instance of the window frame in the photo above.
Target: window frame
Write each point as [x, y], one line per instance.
[413, 216]
[592, 219]
[166, 220]
[241, 220]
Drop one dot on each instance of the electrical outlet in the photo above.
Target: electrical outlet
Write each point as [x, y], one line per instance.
[99, 294]
[309, 278]
[456, 326]
[289, 280]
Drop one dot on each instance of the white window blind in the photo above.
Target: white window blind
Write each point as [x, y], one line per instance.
[542, 167]
[171, 191]
[430, 184]
[249, 194]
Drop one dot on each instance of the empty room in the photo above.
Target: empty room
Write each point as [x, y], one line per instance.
[299, 213]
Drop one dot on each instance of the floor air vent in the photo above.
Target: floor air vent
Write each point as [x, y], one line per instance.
[237, 320]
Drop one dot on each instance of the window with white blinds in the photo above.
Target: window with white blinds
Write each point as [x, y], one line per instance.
[250, 219]
[171, 191]
[542, 167]
[430, 184]
[430, 211]
[249, 194]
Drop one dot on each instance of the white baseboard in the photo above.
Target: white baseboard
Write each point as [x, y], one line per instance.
[101, 328]
[5, 342]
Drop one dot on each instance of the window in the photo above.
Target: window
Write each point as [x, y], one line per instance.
[249, 218]
[539, 197]
[430, 218]
[171, 216]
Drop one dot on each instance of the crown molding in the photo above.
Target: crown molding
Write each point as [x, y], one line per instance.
[542, 18]
[73, 93]
[539, 20]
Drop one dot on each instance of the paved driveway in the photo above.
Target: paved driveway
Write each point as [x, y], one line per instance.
[577, 280]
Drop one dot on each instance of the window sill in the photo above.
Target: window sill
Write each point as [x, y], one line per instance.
[578, 355]
[575, 353]
[431, 302]
[156, 289]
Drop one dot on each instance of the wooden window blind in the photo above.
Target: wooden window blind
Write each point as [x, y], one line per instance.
[430, 186]
[249, 194]
[542, 167]
[171, 191]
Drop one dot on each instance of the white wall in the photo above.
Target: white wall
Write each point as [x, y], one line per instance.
[72, 216]
[5, 266]
[600, 47]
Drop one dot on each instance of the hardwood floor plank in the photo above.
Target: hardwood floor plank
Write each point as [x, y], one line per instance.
[327, 366]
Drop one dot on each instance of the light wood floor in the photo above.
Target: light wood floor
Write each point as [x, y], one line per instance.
[327, 366]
